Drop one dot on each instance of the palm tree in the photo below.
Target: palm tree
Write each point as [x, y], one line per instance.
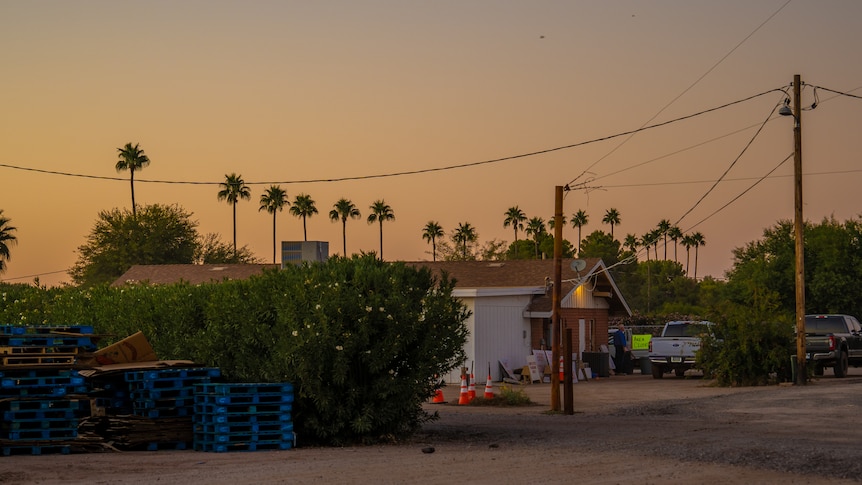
[342, 210]
[655, 234]
[515, 217]
[132, 158]
[664, 226]
[303, 207]
[272, 201]
[536, 227]
[688, 243]
[465, 233]
[579, 220]
[631, 242]
[234, 189]
[646, 242]
[698, 240]
[612, 217]
[675, 234]
[6, 239]
[380, 211]
[430, 233]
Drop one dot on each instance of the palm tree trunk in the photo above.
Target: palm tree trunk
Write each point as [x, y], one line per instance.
[381, 239]
[274, 261]
[434, 248]
[234, 230]
[344, 235]
[132, 182]
[304, 230]
[695, 263]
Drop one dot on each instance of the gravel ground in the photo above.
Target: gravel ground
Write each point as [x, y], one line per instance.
[626, 429]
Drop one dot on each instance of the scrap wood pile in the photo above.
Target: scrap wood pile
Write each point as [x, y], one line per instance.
[58, 394]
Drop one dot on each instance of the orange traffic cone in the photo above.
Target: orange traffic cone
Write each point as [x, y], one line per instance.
[562, 369]
[489, 388]
[438, 397]
[471, 389]
[464, 398]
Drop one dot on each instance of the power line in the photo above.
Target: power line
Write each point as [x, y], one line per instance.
[419, 171]
[692, 85]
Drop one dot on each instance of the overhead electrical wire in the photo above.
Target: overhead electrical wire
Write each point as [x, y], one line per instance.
[692, 85]
[419, 171]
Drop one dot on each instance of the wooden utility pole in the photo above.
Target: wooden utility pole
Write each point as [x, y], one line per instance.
[798, 231]
[556, 333]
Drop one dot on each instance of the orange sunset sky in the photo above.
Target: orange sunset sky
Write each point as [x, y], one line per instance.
[300, 93]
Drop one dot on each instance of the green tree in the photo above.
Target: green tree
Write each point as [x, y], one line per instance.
[303, 207]
[160, 234]
[273, 201]
[233, 189]
[600, 244]
[463, 236]
[536, 228]
[210, 249]
[380, 212]
[515, 217]
[132, 158]
[430, 233]
[6, 239]
[612, 218]
[579, 220]
[343, 210]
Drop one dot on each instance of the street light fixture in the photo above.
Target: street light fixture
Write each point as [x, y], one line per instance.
[798, 225]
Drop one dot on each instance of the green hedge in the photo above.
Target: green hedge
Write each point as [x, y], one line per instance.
[360, 339]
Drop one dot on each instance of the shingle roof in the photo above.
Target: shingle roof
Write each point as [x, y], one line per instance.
[499, 274]
[190, 273]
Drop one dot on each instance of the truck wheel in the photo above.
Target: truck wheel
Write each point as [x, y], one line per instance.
[657, 371]
[679, 372]
[840, 368]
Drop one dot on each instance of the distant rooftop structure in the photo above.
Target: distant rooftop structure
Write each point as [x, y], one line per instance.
[159, 274]
[297, 252]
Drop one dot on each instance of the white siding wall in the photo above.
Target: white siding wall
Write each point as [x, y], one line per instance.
[498, 331]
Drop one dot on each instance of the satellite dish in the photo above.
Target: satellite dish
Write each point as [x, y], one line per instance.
[578, 265]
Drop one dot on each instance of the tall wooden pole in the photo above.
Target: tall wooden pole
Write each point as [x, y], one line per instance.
[798, 231]
[556, 333]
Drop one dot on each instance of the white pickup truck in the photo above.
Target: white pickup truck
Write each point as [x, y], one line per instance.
[677, 347]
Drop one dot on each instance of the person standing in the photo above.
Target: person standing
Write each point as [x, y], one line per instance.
[621, 348]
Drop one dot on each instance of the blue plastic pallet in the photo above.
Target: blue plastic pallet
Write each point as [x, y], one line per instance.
[207, 408]
[206, 419]
[163, 403]
[23, 449]
[24, 373]
[40, 415]
[164, 413]
[58, 391]
[37, 424]
[40, 434]
[167, 383]
[213, 438]
[12, 330]
[43, 404]
[43, 381]
[38, 340]
[244, 399]
[247, 428]
[166, 393]
[165, 445]
[234, 388]
[193, 373]
[259, 446]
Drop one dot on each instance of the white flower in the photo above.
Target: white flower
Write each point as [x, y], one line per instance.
[317, 307]
[382, 309]
[295, 333]
[339, 348]
[368, 309]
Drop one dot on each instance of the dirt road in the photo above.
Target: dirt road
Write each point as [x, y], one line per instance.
[626, 429]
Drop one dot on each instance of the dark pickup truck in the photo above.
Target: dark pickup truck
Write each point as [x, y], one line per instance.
[833, 341]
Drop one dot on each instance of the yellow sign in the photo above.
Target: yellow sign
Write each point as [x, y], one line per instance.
[641, 342]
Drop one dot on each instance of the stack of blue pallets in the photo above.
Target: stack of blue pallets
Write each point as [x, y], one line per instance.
[41, 397]
[39, 413]
[167, 393]
[243, 417]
